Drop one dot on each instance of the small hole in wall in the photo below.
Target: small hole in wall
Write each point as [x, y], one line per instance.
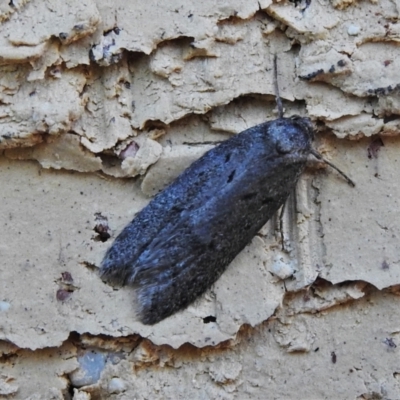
[63, 294]
[70, 391]
[102, 236]
[66, 277]
[390, 118]
[101, 228]
[209, 319]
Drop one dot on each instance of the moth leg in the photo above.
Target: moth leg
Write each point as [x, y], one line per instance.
[281, 225]
[288, 206]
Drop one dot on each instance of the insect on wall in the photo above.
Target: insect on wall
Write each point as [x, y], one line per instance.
[184, 239]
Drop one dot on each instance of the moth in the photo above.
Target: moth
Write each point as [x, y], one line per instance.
[185, 238]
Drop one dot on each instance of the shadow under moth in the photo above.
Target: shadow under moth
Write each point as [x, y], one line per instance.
[184, 239]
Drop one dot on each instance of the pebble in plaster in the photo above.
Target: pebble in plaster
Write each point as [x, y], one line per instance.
[4, 306]
[91, 364]
[353, 30]
[140, 155]
[116, 385]
[282, 268]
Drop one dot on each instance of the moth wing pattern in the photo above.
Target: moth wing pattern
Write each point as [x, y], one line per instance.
[184, 239]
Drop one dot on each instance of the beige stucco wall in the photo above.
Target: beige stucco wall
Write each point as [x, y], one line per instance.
[103, 103]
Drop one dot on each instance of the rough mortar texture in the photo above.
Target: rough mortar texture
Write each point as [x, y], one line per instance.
[102, 104]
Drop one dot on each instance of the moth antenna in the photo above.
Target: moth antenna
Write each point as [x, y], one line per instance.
[319, 157]
[276, 86]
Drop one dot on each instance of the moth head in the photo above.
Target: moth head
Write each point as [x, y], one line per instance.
[306, 124]
[292, 135]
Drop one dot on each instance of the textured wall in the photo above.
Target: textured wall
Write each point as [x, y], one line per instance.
[103, 103]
